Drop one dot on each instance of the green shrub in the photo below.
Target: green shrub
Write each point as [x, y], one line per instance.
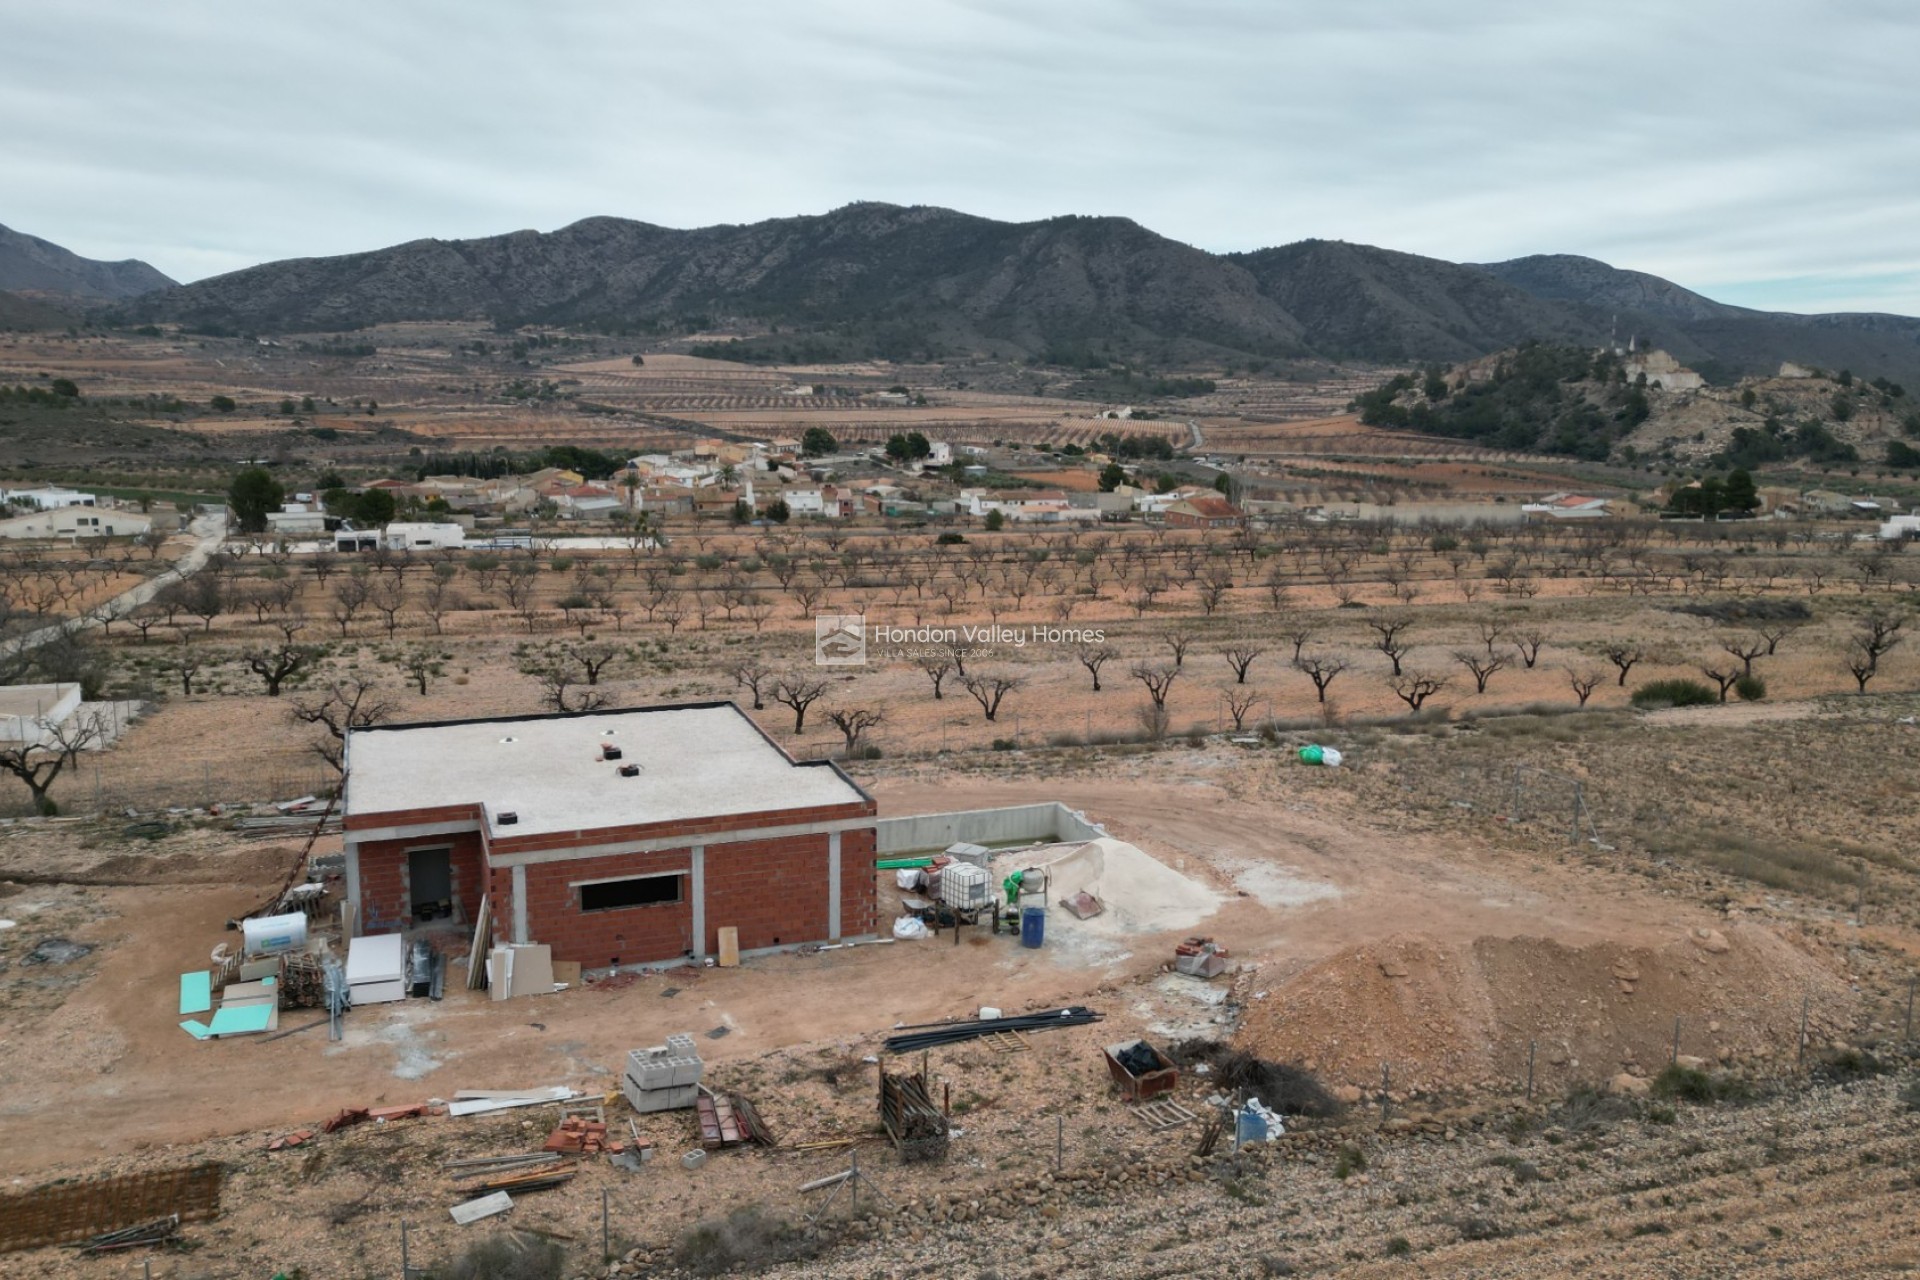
[1684, 1083]
[746, 1239]
[1005, 744]
[1675, 693]
[1350, 1161]
[950, 539]
[516, 1256]
[1399, 1247]
[1750, 688]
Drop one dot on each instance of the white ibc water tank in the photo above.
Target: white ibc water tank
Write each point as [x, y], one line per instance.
[963, 885]
[274, 935]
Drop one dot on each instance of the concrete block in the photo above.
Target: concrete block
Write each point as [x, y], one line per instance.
[693, 1159]
[644, 1101]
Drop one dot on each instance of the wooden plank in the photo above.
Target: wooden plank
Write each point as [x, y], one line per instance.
[729, 947]
[477, 953]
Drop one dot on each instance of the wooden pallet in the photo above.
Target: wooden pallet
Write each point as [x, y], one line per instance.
[1007, 1042]
[1163, 1115]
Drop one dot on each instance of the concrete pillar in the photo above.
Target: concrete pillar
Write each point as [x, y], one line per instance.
[351, 848]
[520, 905]
[833, 886]
[699, 890]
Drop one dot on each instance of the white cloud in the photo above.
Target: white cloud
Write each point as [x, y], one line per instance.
[1724, 144]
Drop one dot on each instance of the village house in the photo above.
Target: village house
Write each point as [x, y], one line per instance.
[1204, 513]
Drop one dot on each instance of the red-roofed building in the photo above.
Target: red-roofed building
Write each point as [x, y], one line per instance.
[1204, 513]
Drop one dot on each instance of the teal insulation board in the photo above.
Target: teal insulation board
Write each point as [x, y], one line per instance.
[196, 992]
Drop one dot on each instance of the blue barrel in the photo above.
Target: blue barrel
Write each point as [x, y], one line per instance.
[1033, 926]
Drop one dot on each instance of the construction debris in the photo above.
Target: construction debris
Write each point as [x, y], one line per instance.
[577, 1135]
[1083, 905]
[935, 1034]
[918, 1127]
[350, 1116]
[151, 1233]
[529, 1180]
[1163, 1115]
[298, 1138]
[81, 1211]
[484, 1207]
[475, 1102]
[1140, 1070]
[1200, 958]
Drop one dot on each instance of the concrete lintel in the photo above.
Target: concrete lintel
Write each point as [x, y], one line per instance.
[415, 831]
[708, 840]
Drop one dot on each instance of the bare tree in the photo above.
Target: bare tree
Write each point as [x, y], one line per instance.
[798, 692]
[1483, 665]
[1240, 657]
[754, 676]
[187, 661]
[1321, 668]
[1773, 633]
[389, 597]
[562, 685]
[1157, 678]
[420, 663]
[1623, 655]
[1723, 674]
[1093, 657]
[49, 747]
[1876, 633]
[853, 723]
[1239, 700]
[278, 663]
[1529, 641]
[202, 596]
[1297, 631]
[348, 704]
[349, 597]
[1584, 681]
[936, 670]
[989, 689]
[1415, 687]
[1388, 629]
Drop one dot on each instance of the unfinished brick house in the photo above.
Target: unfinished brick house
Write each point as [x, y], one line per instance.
[615, 837]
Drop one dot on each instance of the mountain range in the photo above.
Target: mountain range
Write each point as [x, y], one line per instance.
[909, 282]
[39, 269]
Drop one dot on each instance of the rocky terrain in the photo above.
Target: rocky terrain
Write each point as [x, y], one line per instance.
[40, 268]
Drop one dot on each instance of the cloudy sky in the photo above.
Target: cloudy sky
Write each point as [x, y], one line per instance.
[1758, 150]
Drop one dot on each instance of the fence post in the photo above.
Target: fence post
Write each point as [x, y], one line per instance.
[606, 1247]
[1531, 1046]
[406, 1270]
[1673, 1059]
[1386, 1085]
[1059, 1142]
[1909, 1031]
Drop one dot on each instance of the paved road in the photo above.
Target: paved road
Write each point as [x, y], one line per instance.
[209, 532]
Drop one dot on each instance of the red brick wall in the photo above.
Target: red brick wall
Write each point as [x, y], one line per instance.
[624, 935]
[385, 902]
[857, 904]
[773, 891]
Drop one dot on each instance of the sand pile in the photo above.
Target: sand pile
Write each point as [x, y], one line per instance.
[1141, 894]
[1449, 1014]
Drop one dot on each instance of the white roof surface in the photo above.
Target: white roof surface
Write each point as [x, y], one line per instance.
[695, 762]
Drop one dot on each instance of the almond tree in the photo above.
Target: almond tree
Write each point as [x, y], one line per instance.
[1415, 687]
[1624, 655]
[1240, 657]
[754, 676]
[1584, 681]
[1321, 668]
[853, 723]
[936, 669]
[53, 746]
[1482, 665]
[989, 689]
[1388, 628]
[799, 693]
[348, 704]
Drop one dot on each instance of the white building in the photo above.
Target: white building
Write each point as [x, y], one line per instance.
[1895, 528]
[47, 498]
[30, 712]
[402, 536]
[1567, 506]
[296, 518]
[76, 522]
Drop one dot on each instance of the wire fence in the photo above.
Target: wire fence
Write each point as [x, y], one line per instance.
[102, 783]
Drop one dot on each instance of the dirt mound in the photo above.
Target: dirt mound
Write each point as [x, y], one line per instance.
[1450, 1015]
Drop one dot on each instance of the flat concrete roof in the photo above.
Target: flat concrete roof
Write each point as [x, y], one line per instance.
[699, 761]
